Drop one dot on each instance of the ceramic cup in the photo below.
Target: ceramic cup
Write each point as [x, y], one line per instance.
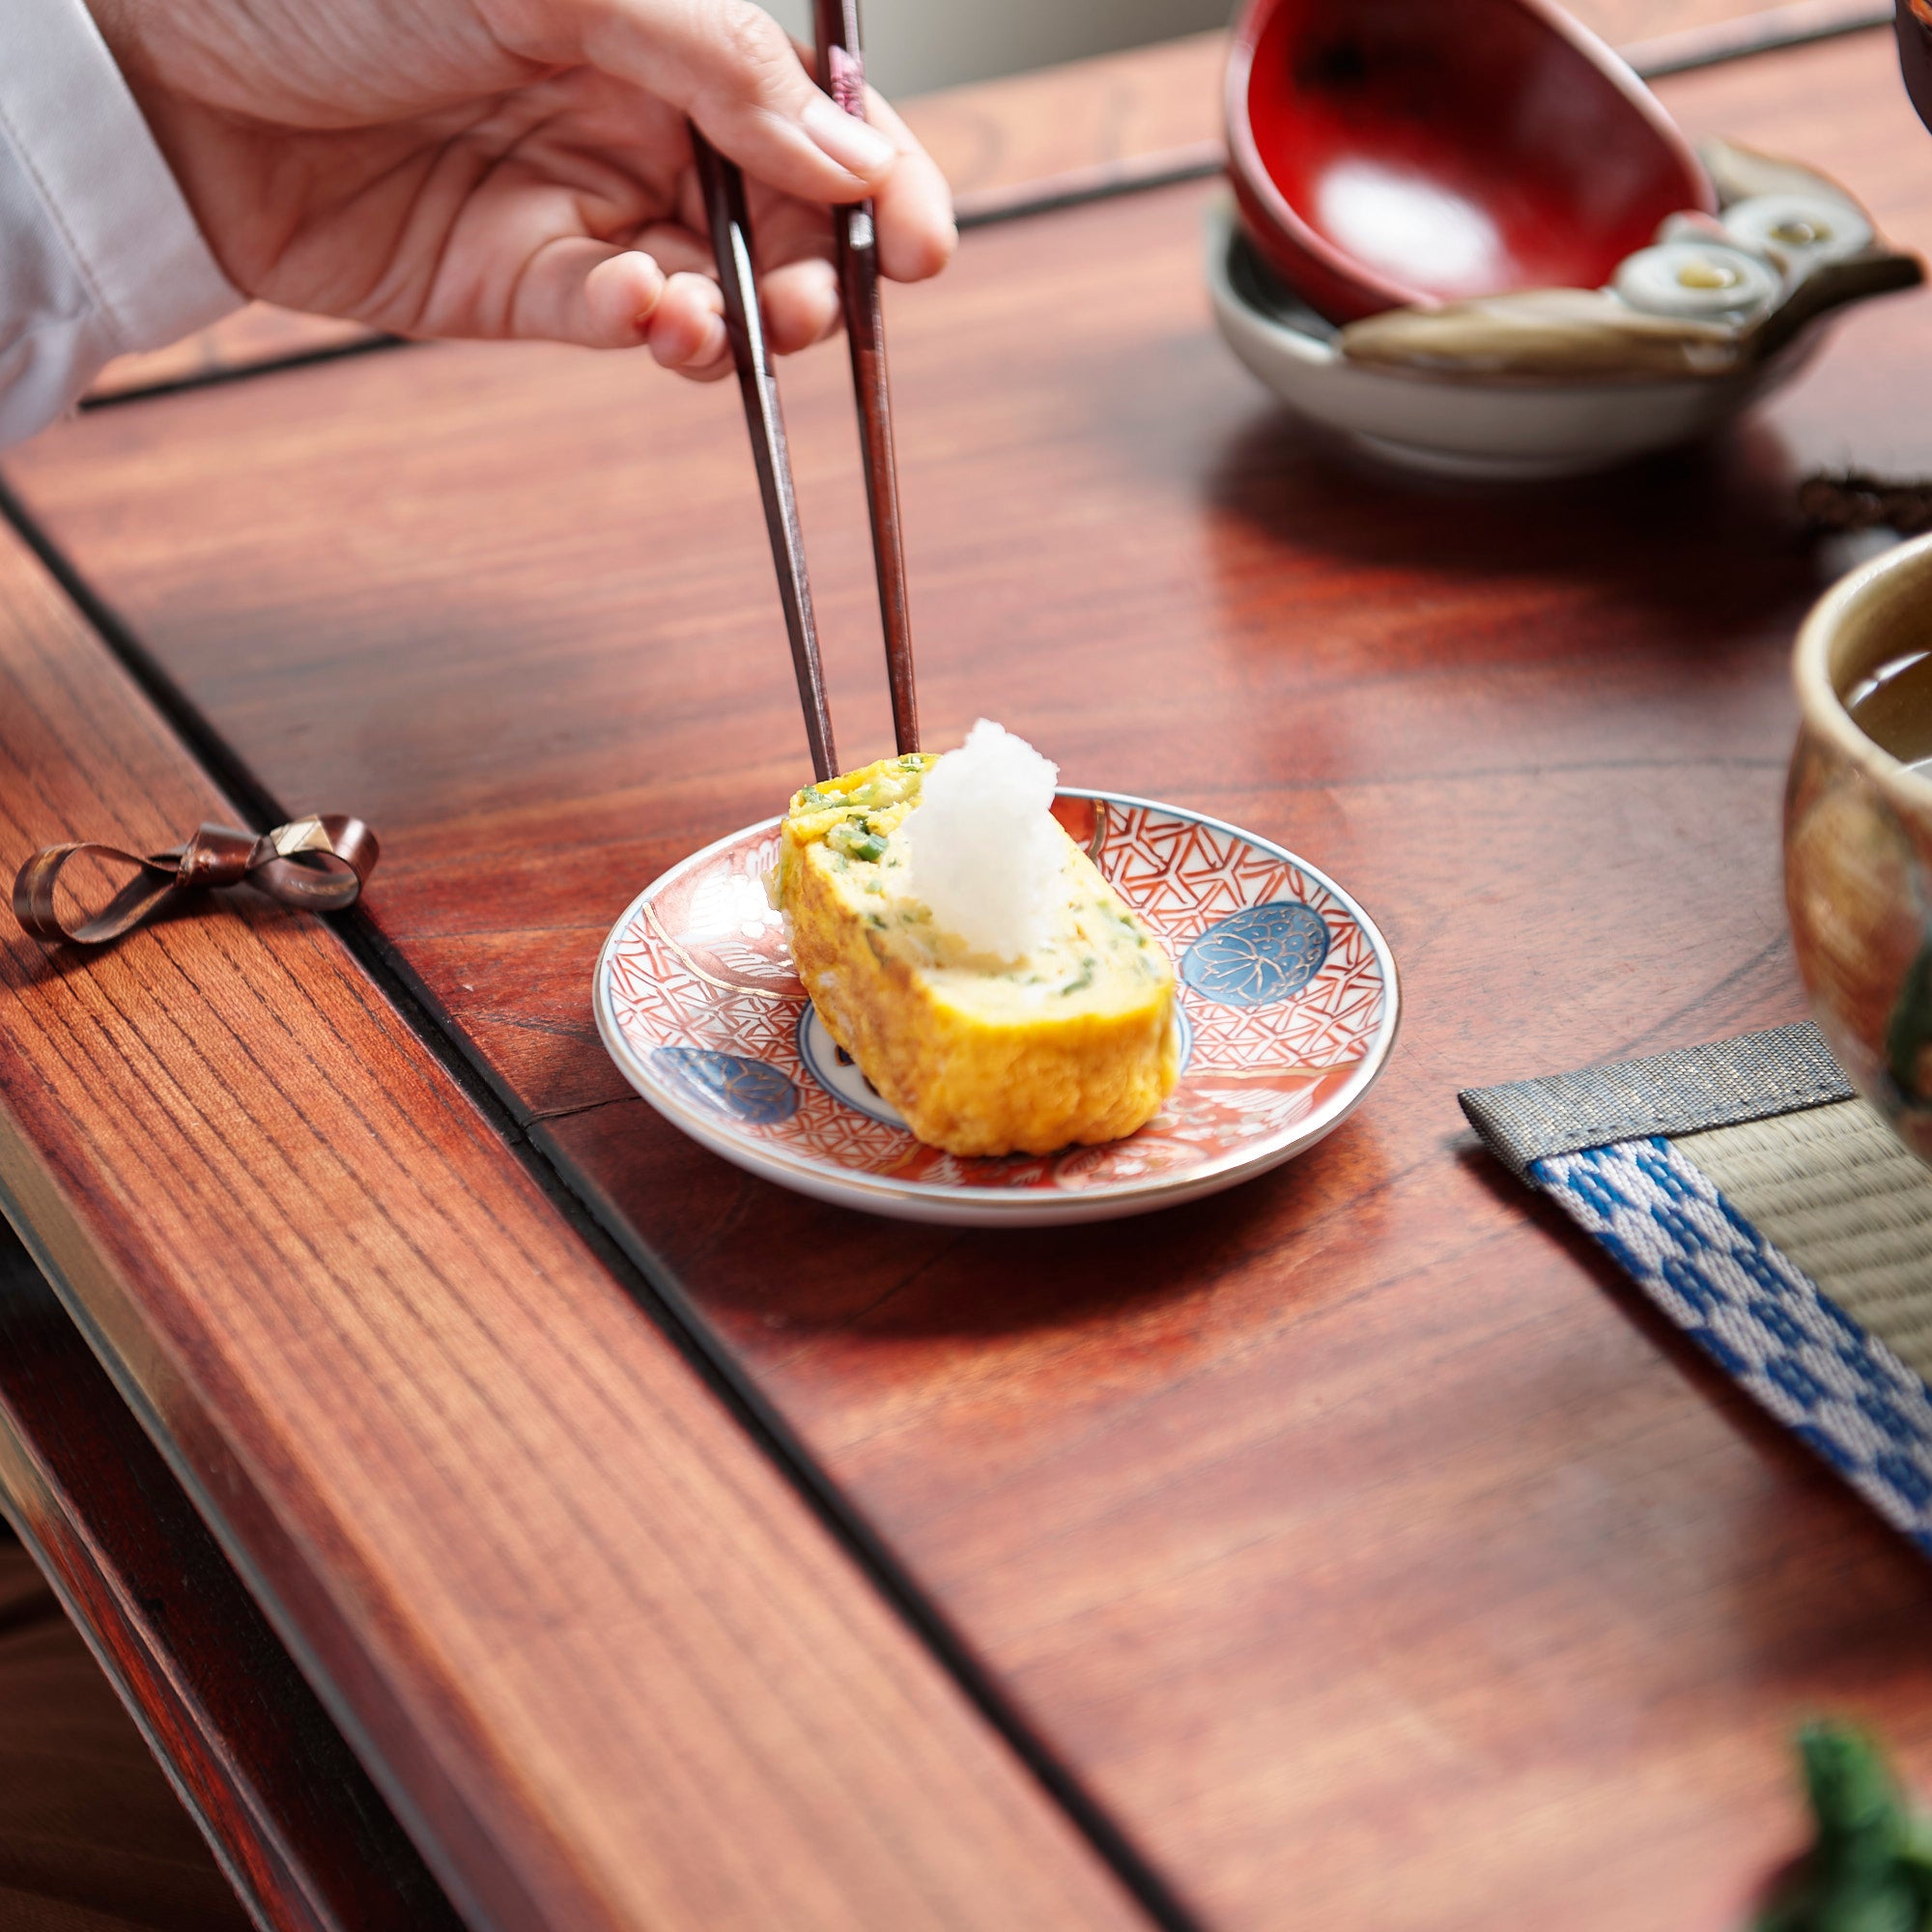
[1858, 845]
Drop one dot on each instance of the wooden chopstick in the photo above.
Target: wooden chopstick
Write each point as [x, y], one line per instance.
[855, 240]
[731, 242]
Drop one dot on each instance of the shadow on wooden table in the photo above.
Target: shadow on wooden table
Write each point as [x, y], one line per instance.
[1543, 1219]
[771, 1261]
[1861, 1674]
[1717, 520]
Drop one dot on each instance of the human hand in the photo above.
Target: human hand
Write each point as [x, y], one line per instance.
[517, 168]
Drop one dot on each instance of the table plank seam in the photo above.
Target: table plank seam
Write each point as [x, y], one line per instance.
[589, 1531]
[245, 1882]
[209, 379]
[269, 1856]
[166, 1590]
[1802, 24]
[195, 1485]
[649, 1285]
[1688, 50]
[1517, 1562]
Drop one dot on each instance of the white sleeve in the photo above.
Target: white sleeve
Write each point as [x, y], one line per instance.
[99, 253]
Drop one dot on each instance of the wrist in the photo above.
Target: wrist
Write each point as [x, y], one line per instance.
[116, 22]
[106, 213]
[169, 119]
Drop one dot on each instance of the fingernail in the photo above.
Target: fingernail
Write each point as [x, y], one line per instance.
[856, 145]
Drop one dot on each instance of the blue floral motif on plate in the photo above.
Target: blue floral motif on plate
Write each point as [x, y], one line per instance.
[1284, 1025]
[1257, 955]
[745, 1089]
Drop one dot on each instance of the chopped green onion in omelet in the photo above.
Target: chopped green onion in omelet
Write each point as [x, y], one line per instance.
[969, 956]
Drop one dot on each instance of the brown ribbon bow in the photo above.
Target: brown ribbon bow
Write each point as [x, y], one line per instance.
[319, 862]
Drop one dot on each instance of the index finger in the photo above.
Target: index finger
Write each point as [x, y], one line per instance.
[913, 207]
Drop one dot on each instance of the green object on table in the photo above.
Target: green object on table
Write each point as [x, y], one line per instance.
[1871, 1867]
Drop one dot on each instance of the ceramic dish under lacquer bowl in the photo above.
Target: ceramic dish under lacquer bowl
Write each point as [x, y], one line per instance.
[1716, 312]
[1288, 997]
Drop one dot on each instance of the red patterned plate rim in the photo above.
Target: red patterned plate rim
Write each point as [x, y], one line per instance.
[981, 1203]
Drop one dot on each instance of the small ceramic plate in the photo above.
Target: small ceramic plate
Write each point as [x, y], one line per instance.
[1287, 999]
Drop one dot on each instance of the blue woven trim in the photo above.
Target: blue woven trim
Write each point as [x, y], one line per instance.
[1764, 1320]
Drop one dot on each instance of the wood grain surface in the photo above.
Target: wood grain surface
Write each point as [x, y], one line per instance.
[257, 336]
[1358, 1537]
[293, 1817]
[997, 140]
[609, 1668]
[1633, 26]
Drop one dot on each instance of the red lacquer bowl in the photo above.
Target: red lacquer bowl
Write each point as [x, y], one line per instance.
[1392, 152]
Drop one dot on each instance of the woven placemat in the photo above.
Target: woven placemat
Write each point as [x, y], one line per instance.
[1773, 1216]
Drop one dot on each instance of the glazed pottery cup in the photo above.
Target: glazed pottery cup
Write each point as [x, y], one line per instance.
[1858, 845]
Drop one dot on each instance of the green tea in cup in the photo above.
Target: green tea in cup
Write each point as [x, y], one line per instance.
[1892, 707]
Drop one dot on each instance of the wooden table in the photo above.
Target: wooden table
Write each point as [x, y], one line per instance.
[1353, 1550]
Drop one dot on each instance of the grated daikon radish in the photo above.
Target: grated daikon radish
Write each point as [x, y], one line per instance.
[982, 853]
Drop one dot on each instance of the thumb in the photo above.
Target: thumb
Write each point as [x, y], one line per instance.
[732, 67]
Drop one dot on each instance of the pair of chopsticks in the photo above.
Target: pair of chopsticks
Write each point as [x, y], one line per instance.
[841, 76]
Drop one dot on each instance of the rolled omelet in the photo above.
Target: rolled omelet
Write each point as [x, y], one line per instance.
[1075, 1041]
